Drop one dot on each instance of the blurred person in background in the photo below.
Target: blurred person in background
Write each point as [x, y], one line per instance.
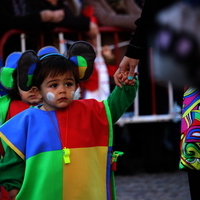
[36, 16]
[176, 48]
[16, 15]
[119, 13]
[70, 14]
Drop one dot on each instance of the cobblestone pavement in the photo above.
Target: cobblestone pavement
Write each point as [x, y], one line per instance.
[160, 186]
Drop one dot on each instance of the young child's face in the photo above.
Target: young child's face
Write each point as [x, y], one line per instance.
[31, 96]
[58, 92]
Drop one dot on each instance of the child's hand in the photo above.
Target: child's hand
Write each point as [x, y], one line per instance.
[123, 78]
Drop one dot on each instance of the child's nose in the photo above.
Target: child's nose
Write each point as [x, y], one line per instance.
[62, 88]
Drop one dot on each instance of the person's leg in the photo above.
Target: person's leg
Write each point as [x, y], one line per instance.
[193, 178]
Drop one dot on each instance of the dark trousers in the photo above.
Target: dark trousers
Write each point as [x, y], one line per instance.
[194, 184]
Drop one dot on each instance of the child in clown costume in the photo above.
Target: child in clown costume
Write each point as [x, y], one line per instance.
[15, 100]
[62, 149]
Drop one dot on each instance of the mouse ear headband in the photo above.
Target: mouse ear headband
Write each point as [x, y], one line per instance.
[11, 64]
[80, 53]
[86, 66]
[28, 63]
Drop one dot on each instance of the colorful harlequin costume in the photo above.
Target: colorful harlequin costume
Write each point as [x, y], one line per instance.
[85, 128]
[64, 154]
[190, 130]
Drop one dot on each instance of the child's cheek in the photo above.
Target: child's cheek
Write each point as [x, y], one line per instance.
[50, 96]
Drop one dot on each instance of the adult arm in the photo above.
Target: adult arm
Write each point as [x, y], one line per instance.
[139, 42]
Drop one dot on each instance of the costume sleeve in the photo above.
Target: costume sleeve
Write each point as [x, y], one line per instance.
[4, 106]
[120, 99]
[11, 169]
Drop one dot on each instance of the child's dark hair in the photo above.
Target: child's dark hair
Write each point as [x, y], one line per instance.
[54, 65]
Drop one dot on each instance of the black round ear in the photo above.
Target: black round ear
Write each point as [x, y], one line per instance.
[26, 68]
[84, 49]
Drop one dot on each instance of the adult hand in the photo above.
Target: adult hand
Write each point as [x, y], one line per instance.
[46, 15]
[52, 16]
[58, 16]
[127, 64]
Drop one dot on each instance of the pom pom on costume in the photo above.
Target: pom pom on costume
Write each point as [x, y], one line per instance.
[47, 50]
[6, 75]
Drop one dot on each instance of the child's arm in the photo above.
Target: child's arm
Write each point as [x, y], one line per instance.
[120, 99]
[12, 169]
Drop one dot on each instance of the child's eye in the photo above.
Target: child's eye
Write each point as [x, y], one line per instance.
[54, 85]
[69, 84]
